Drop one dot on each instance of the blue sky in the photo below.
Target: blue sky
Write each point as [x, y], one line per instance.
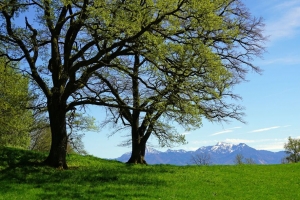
[271, 100]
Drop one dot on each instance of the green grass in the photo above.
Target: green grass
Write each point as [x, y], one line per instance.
[21, 177]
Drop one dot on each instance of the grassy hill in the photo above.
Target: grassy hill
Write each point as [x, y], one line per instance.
[21, 177]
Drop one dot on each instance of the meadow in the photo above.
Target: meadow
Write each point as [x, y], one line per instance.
[88, 177]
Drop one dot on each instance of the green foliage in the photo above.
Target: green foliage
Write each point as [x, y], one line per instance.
[180, 70]
[22, 177]
[186, 56]
[292, 149]
[15, 119]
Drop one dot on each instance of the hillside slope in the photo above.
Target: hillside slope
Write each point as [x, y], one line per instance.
[23, 177]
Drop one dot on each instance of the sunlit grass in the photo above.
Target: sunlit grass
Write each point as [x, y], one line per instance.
[21, 177]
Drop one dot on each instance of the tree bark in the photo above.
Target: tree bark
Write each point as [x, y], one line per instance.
[58, 151]
[137, 154]
[138, 149]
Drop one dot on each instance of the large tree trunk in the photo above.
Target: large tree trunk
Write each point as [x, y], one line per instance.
[58, 151]
[138, 153]
[138, 148]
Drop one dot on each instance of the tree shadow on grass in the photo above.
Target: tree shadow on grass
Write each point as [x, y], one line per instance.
[12, 157]
[109, 180]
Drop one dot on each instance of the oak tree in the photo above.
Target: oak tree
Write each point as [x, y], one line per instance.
[292, 149]
[181, 71]
[73, 48]
[61, 43]
[77, 124]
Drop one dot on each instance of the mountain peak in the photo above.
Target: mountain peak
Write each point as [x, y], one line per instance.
[222, 147]
[223, 144]
[221, 153]
[176, 151]
[151, 150]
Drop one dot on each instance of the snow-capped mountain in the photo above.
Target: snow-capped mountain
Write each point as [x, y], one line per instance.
[222, 147]
[221, 153]
[150, 150]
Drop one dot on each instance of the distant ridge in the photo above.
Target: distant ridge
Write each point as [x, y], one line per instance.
[221, 153]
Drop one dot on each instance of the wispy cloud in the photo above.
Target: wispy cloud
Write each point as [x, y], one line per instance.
[203, 142]
[266, 140]
[237, 127]
[237, 141]
[287, 21]
[271, 144]
[225, 131]
[285, 5]
[192, 148]
[290, 60]
[276, 146]
[286, 126]
[221, 132]
[264, 129]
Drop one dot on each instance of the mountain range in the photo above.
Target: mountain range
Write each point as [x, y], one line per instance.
[220, 154]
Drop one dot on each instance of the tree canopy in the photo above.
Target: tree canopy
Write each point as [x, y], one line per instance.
[181, 56]
[15, 118]
[292, 149]
[182, 70]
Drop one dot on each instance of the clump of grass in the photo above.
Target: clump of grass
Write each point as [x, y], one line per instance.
[22, 177]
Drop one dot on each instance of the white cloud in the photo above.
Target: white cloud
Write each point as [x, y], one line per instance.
[225, 131]
[197, 142]
[291, 60]
[222, 132]
[237, 141]
[271, 144]
[237, 127]
[286, 126]
[264, 129]
[203, 142]
[192, 148]
[276, 146]
[286, 23]
[285, 5]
